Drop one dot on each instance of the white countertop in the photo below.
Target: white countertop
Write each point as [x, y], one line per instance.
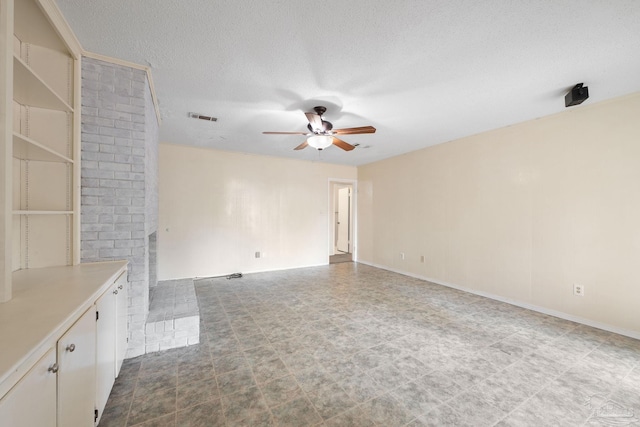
[45, 303]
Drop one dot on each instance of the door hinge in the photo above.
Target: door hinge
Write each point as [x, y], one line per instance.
[97, 315]
[95, 415]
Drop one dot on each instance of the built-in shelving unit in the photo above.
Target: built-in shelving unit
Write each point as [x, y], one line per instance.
[40, 129]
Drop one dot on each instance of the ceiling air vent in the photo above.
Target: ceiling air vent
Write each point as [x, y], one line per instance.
[203, 117]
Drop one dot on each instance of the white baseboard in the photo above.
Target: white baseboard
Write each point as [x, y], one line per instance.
[268, 270]
[543, 310]
[286, 268]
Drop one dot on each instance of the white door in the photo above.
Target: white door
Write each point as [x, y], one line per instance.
[32, 402]
[105, 347]
[343, 221]
[77, 372]
[121, 322]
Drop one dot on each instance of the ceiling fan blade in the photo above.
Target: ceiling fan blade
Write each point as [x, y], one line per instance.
[301, 146]
[344, 145]
[354, 131]
[315, 121]
[286, 133]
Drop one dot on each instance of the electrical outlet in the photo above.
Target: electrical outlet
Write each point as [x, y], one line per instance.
[402, 256]
[578, 290]
[258, 254]
[421, 258]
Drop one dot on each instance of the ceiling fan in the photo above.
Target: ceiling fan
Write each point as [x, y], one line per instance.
[322, 134]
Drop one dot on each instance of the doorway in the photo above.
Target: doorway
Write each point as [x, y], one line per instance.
[342, 222]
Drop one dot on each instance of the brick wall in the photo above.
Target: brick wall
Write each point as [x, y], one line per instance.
[119, 178]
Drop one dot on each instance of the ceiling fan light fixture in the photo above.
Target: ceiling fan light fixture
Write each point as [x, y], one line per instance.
[320, 142]
[321, 133]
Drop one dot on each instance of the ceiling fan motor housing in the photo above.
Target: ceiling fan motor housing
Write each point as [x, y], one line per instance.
[326, 127]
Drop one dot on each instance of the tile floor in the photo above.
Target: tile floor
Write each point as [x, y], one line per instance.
[351, 345]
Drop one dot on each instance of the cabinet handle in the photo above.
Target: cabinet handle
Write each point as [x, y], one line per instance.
[115, 292]
[120, 287]
[53, 368]
[71, 348]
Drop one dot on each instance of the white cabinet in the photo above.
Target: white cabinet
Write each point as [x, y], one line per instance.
[48, 358]
[59, 386]
[77, 372]
[32, 401]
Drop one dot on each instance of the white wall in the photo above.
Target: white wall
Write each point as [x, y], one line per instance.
[218, 208]
[520, 213]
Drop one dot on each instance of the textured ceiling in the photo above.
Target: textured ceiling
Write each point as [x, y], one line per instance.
[421, 72]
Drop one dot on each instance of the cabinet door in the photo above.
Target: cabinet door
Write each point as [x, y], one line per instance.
[32, 402]
[105, 347]
[77, 373]
[122, 333]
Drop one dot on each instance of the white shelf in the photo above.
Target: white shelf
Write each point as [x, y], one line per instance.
[25, 148]
[43, 212]
[30, 89]
[31, 25]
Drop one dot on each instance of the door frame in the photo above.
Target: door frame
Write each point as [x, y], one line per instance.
[331, 215]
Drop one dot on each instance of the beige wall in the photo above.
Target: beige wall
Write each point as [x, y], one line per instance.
[218, 208]
[520, 213]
